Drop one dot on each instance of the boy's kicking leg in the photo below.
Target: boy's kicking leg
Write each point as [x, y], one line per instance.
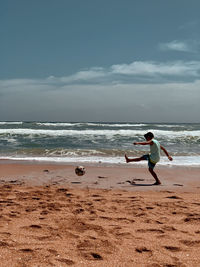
[132, 160]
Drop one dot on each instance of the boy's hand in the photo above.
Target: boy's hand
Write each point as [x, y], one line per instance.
[170, 158]
[135, 143]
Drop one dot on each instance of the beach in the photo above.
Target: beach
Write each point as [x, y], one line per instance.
[110, 89]
[111, 216]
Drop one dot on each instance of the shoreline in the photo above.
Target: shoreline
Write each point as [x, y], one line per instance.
[101, 176]
[107, 161]
[98, 164]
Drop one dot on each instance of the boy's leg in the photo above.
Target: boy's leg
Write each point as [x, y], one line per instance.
[154, 176]
[133, 160]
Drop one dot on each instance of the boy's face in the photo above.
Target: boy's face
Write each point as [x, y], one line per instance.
[148, 138]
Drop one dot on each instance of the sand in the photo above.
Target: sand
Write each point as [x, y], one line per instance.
[112, 216]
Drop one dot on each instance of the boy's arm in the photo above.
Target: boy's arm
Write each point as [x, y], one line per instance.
[166, 153]
[143, 143]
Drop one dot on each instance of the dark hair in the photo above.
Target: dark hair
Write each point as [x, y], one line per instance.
[149, 134]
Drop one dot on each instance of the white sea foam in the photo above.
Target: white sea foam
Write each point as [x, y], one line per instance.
[57, 124]
[66, 124]
[117, 124]
[169, 125]
[107, 133]
[189, 161]
[11, 122]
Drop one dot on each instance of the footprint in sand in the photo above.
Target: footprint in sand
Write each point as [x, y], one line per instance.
[61, 190]
[35, 226]
[67, 261]
[87, 246]
[28, 250]
[92, 256]
[97, 256]
[149, 208]
[42, 238]
[6, 234]
[94, 195]
[78, 211]
[106, 218]
[130, 182]
[53, 251]
[192, 218]
[150, 230]
[169, 228]
[174, 197]
[190, 243]
[69, 195]
[36, 198]
[142, 249]
[196, 203]
[4, 244]
[44, 212]
[172, 248]
[154, 265]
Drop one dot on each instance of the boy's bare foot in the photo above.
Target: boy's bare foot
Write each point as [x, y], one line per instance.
[157, 183]
[127, 159]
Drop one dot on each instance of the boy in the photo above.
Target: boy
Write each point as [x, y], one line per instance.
[153, 157]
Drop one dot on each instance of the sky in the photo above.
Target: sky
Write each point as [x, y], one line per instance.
[100, 60]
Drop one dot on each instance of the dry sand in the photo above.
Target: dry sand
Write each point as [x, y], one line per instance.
[112, 216]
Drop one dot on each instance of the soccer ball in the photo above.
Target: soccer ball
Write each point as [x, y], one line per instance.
[80, 170]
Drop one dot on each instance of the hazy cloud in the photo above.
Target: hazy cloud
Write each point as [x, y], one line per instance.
[176, 46]
[192, 25]
[113, 102]
[189, 46]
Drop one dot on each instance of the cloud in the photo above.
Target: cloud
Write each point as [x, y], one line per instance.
[137, 71]
[85, 75]
[176, 68]
[143, 72]
[176, 46]
[189, 46]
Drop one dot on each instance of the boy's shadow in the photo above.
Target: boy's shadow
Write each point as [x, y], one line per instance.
[142, 184]
[133, 183]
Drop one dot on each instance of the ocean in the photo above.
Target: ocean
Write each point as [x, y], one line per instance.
[102, 143]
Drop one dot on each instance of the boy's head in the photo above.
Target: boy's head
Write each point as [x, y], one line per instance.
[148, 136]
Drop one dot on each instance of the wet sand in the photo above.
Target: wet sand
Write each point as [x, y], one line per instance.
[111, 216]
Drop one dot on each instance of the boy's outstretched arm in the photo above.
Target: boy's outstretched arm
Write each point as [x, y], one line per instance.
[143, 143]
[166, 153]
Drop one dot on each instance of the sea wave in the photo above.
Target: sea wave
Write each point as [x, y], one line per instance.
[129, 132]
[96, 141]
